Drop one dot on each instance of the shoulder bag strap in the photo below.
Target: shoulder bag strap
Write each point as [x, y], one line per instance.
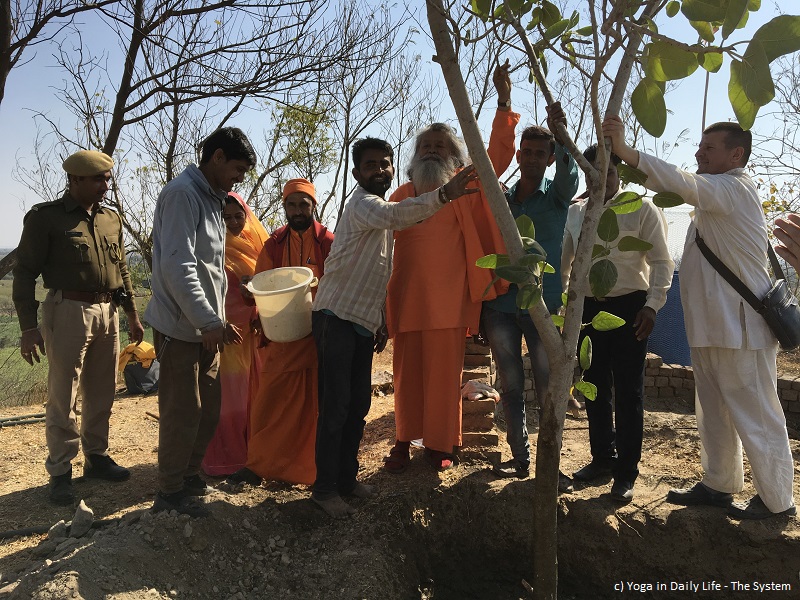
[727, 274]
[776, 266]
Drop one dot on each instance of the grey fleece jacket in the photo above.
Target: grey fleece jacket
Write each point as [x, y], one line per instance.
[189, 282]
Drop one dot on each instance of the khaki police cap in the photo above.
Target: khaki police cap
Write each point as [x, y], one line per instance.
[86, 163]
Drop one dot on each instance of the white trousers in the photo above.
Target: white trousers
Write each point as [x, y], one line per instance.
[737, 405]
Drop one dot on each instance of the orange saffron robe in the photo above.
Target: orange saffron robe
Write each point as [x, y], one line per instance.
[434, 298]
[283, 412]
[239, 365]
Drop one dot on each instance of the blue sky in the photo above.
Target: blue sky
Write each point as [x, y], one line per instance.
[30, 88]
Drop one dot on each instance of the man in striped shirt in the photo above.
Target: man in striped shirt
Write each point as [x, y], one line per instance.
[348, 321]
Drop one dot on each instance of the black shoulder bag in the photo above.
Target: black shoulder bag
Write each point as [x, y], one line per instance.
[779, 307]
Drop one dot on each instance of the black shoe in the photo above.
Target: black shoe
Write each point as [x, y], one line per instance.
[756, 509]
[195, 486]
[511, 468]
[100, 466]
[244, 475]
[182, 503]
[622, 491]
[61, 491]
[699, 495]
[564, 484]
[597, 469]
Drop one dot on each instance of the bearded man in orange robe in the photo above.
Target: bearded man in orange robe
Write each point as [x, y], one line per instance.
[435, 293]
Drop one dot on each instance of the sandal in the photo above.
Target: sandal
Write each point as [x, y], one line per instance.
[398, 459]
[441, 461]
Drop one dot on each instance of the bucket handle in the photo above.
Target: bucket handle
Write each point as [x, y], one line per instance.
[314, 282]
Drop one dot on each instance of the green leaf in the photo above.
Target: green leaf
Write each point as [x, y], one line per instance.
[564, 298]
[585, 31]
[558, 320]
[744, 108]
[753, 5]
[602, 278]
[666, 62]
[481, 7]
[736, 10]
[574, 19]
[743, 22]
[599, 251]
[513, 273]
[607, 228]
[629, 174]
[500, 11]
[525, 226]
[550, 14]
[647, 102]
[528, 295]
[530, 260]
[754, 75]
[536, 17]
[585, 354]
[672, 8]
[492, 261]
[531, 244]
[711, 61]
[589, 390]
[667, 199]
[704, 29]
[605, 321]
[778, 37]
[633, 244]
[704, 10]
[548, 268]
[626, 203]
[515, 5]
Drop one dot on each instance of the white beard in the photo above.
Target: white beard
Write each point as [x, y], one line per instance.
[431, 173]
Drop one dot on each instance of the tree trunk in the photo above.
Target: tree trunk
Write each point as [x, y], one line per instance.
[561, 362]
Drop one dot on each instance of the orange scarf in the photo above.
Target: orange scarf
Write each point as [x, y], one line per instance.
[241, 251]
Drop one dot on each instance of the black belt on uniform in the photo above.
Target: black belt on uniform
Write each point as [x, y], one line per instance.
[90, 297]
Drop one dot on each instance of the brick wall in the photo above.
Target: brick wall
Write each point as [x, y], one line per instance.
[668, 381]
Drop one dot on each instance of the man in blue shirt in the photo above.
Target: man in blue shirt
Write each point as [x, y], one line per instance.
[546, 203]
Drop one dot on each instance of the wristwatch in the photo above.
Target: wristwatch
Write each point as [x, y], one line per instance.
[506, 104]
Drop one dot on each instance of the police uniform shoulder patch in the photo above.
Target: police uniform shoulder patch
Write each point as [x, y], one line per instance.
[47, 204]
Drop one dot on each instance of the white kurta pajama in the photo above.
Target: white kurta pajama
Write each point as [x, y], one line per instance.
[733, 350]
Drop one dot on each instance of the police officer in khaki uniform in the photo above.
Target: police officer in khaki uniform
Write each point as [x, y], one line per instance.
[76, 245]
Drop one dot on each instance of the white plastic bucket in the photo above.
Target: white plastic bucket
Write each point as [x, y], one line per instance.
[283, 300]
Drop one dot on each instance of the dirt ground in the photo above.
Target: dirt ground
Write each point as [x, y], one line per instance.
[459, 534]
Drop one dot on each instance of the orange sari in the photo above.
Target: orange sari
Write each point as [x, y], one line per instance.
[239, 364]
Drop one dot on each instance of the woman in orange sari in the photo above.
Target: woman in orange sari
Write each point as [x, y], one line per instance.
[239, 365]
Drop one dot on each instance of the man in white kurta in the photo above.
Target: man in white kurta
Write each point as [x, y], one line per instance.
[733, 350]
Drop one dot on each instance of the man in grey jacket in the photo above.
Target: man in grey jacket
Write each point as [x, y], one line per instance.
[187, 312]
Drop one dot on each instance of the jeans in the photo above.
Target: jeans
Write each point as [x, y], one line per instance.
[505, 331]
[618, 360]
[345, 396]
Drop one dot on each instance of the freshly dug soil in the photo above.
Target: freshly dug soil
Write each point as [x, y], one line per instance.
[455, 535]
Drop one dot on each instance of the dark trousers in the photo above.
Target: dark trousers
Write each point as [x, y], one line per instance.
[189, 398]
[345, 396]
[618, 360]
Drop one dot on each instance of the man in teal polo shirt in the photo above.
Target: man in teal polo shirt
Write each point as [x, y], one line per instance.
[546, 203]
